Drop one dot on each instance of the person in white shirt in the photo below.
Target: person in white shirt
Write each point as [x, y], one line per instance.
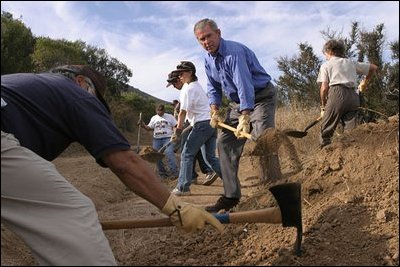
[162, 125]
[194, 108]
[339, 97]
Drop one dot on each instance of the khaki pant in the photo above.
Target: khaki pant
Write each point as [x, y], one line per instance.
[58, 223]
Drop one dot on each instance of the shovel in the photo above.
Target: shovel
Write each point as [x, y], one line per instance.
[301, 134]
[164, 147]
[288, 212]
[233, 129]
[138, 137]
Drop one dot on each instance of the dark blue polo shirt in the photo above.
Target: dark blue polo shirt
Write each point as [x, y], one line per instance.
[47, 112]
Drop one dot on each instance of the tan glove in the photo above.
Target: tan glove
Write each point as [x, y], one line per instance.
[188, 217]
[322, 111]
[243, 126]
[215, 118]
[362, 85]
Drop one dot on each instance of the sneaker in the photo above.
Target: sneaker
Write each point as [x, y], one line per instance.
[223, 203]
[210, 178]
[178, 192]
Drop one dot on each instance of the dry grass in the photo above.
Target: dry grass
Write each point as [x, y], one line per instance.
[298, 119]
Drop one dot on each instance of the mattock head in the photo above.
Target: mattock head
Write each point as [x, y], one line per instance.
[288, 197]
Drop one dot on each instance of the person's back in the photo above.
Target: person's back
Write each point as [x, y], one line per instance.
[52, 112]
[40, 115]
[340, 99]
[194, 100]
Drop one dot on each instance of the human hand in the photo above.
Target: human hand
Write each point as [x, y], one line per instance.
[176, 136]
[215, 118]
[243, 126]
[141, 123]
[322, 111]
[362, 85]
[188, 217]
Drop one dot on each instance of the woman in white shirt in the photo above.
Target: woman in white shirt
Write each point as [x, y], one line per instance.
[194, 108]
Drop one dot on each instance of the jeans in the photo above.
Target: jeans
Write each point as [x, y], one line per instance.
[204, 166]
[170, 157]
[202, 133]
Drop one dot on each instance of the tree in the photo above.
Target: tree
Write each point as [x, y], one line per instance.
[297, 85]
[116, 72]
[51, 53]
[17, 44]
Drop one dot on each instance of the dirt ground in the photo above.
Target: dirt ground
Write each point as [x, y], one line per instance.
[350, 207]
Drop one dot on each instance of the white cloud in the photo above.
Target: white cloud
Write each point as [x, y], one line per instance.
[152, 37]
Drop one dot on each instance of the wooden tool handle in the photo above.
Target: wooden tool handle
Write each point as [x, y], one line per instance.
[233, 129]
[128, 224]
[268, 215]
[312, 124]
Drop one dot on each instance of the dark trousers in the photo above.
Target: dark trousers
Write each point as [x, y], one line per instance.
[230, 148]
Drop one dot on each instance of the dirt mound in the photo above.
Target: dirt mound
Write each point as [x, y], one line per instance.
[350, 193]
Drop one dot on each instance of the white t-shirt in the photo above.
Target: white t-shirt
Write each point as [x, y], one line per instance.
[194, 101]
[162, 125]
[342, 71]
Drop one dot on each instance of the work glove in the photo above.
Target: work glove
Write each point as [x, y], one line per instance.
[176, 136]
[322, 111]
[362, 85]
[188, 217]
[215, 118]
[243, 126]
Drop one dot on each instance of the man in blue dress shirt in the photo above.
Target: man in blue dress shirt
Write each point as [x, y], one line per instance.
[233, 70]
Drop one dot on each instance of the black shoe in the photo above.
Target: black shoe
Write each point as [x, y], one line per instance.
[210, 178]
[223, 203]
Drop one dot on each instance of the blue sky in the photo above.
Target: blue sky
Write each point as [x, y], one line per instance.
[152, 37]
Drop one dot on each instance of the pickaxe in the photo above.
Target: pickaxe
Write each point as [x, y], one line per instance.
[288, 213]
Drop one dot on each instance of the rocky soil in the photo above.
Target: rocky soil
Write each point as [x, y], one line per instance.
[350, 201]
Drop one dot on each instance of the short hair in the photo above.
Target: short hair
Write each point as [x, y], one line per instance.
[336, 47]
[160, 107]
[204, 22]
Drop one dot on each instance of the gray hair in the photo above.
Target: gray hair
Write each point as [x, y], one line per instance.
[204, 22]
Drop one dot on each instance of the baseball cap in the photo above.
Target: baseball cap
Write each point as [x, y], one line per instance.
[98, 80]
[186, 66]
[173, 76]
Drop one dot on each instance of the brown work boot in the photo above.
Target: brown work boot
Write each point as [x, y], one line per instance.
[223, 203]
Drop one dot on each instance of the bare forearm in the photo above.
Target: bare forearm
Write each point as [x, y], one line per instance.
[181, 119]
[324, 93]
[371, 72]
[135, 173]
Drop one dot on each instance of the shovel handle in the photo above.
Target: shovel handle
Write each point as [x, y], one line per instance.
[233, 129]
[138, 137]
[164, 147]
[268, 215]
[312, 124]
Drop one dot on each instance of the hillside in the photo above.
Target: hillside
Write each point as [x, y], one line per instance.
[350, 200]
[146, 96]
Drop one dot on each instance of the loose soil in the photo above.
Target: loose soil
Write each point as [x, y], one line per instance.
[350, 206]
